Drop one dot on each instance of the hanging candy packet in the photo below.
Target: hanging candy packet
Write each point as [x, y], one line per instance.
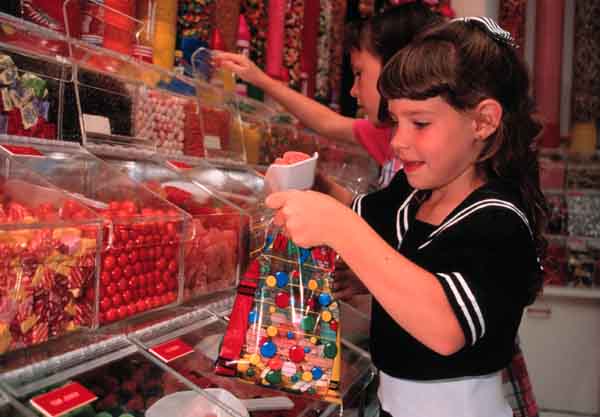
[284, 329]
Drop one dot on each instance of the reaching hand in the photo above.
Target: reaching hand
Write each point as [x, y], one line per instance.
[241, 66]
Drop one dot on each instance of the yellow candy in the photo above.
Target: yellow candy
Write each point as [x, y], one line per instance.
[313, 285]
[272, 331]
[272, 309]
[242, 366]
[271, 281]
[326, 316]
[313, 340]
[307, 376]
[254, 359]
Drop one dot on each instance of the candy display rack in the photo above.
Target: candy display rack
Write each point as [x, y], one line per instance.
[142, 257]
[213, 252]
[204, 333]
[253, 128]
[36, 78]
[121, 377]
[571, 183]
[48, 248]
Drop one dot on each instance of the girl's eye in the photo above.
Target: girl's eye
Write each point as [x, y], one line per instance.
[421, 125]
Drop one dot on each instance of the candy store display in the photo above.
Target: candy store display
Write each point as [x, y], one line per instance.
[202, 335]
[252, 128]
[282, 138]
[584, 214]
[583, 263]
[34, 82]
[48, 248]
[141, 258]
[120, 379]
[213, 248]
[347, 163]
[172, 122]
[555, 262]
[242, 187]
[583, 174]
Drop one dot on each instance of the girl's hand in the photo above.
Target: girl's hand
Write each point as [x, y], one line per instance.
[310, 218]
[241, 66]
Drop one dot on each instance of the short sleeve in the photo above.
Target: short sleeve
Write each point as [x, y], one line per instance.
[487, 272]
[376, 140]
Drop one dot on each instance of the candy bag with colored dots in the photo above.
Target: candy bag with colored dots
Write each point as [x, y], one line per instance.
[284, 329]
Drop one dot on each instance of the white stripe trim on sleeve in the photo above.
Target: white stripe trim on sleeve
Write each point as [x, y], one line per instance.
[473, 300]
[461, 303]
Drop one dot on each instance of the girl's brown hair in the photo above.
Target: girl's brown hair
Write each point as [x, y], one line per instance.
[463, 63]
[386, 33]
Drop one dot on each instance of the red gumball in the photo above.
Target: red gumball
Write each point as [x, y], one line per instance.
[109, 263]
[117, 300]
[105, 304]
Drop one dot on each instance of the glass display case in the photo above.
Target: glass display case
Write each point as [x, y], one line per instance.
[202, 335]
[36, 80]
[240, 185]
[253, 127]
[114, 375]
[213, 252]
[348, 164]
[48, 248]
[220, 119]
[141, 253]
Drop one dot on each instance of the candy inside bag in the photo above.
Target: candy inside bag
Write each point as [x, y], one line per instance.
[284, 328]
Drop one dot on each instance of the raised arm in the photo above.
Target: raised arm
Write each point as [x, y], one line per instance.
[311, 113]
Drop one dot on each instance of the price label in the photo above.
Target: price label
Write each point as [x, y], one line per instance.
[179, 164]
[171, 350]
[62, 400]
[19, 150]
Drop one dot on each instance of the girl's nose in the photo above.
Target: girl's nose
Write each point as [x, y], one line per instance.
[354, 90]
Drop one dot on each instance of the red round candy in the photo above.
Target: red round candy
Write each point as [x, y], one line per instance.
[116, 273]
[132, 309]
[123, 260]
[123, 284]
[117, 299]
[128, 271]
[275, 364]
[123, 312]
[111, 289]
[127, 296]
[105, 304]
[109, 262]
[282, 300]
[333, 325]
[297, 353]
[105, 278]
[111, 314]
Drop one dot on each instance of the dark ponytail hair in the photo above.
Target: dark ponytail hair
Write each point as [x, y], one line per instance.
[386, 33]
[463, 64]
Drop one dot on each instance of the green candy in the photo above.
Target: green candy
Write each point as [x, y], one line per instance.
[250, 372]
[330, 350]
[273, 377]
[308, 323]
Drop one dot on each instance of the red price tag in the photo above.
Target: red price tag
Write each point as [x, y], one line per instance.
[171, 350]
[62, 400]
[180, 165]
[22, 150]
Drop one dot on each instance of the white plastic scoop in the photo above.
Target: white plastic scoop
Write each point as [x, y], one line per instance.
[296, 176]
[193, 404]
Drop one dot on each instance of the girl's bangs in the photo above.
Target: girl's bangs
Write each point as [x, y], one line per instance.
[420, 71]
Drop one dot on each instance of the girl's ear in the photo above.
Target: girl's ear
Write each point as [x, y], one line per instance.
[488, 114]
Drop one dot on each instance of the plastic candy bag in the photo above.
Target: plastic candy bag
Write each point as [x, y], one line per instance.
[284, 329]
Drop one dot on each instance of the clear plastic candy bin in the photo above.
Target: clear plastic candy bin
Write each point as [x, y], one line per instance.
[48, 248]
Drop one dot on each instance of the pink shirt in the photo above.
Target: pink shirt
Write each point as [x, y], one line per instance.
[376, 140]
